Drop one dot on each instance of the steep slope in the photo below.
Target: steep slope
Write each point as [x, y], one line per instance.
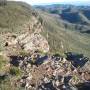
[13, 16]
[61, 39]
[16, 18]
[76, 16]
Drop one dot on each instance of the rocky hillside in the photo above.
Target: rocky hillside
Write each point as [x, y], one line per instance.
[61, 35]
[20, 37]
[35, 51]
[39, 71]
[24, 29]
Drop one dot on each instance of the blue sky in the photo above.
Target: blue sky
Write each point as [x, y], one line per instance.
[37, 2]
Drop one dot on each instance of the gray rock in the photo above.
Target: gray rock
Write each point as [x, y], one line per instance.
[69, 87]
[46, 80]
[86, 67]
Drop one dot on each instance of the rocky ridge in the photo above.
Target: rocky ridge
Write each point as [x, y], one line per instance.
[41, 71]
[31, 40]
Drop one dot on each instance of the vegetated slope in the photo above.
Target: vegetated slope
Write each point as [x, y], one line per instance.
[15, 17]
[62, 39]
[77, 16]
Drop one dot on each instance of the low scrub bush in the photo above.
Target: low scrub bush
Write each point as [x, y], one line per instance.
[15, 71]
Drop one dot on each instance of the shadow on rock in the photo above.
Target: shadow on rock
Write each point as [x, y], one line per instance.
[47, 86]
[41, 60]
[78, 60]
[83, 86]
[15, 60]
[3, 76]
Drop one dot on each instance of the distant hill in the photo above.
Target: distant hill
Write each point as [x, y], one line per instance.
[66, 24]
[77, 16]
[58, 35]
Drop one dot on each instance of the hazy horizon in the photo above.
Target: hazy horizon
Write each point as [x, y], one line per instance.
[48, 2]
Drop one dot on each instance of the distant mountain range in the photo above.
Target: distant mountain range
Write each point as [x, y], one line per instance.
[79, 3]
[79, 16]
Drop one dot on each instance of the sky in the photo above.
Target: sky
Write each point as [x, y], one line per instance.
[40, 2]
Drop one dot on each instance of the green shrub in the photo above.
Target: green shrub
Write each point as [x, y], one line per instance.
[3, 61]
[23, 53]
[15, 71]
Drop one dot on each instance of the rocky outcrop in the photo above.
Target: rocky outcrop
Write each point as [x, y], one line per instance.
[31, 42]
[54, 73]
[31, 39]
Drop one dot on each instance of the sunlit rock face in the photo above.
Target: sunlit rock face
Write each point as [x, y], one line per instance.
[31, 42]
